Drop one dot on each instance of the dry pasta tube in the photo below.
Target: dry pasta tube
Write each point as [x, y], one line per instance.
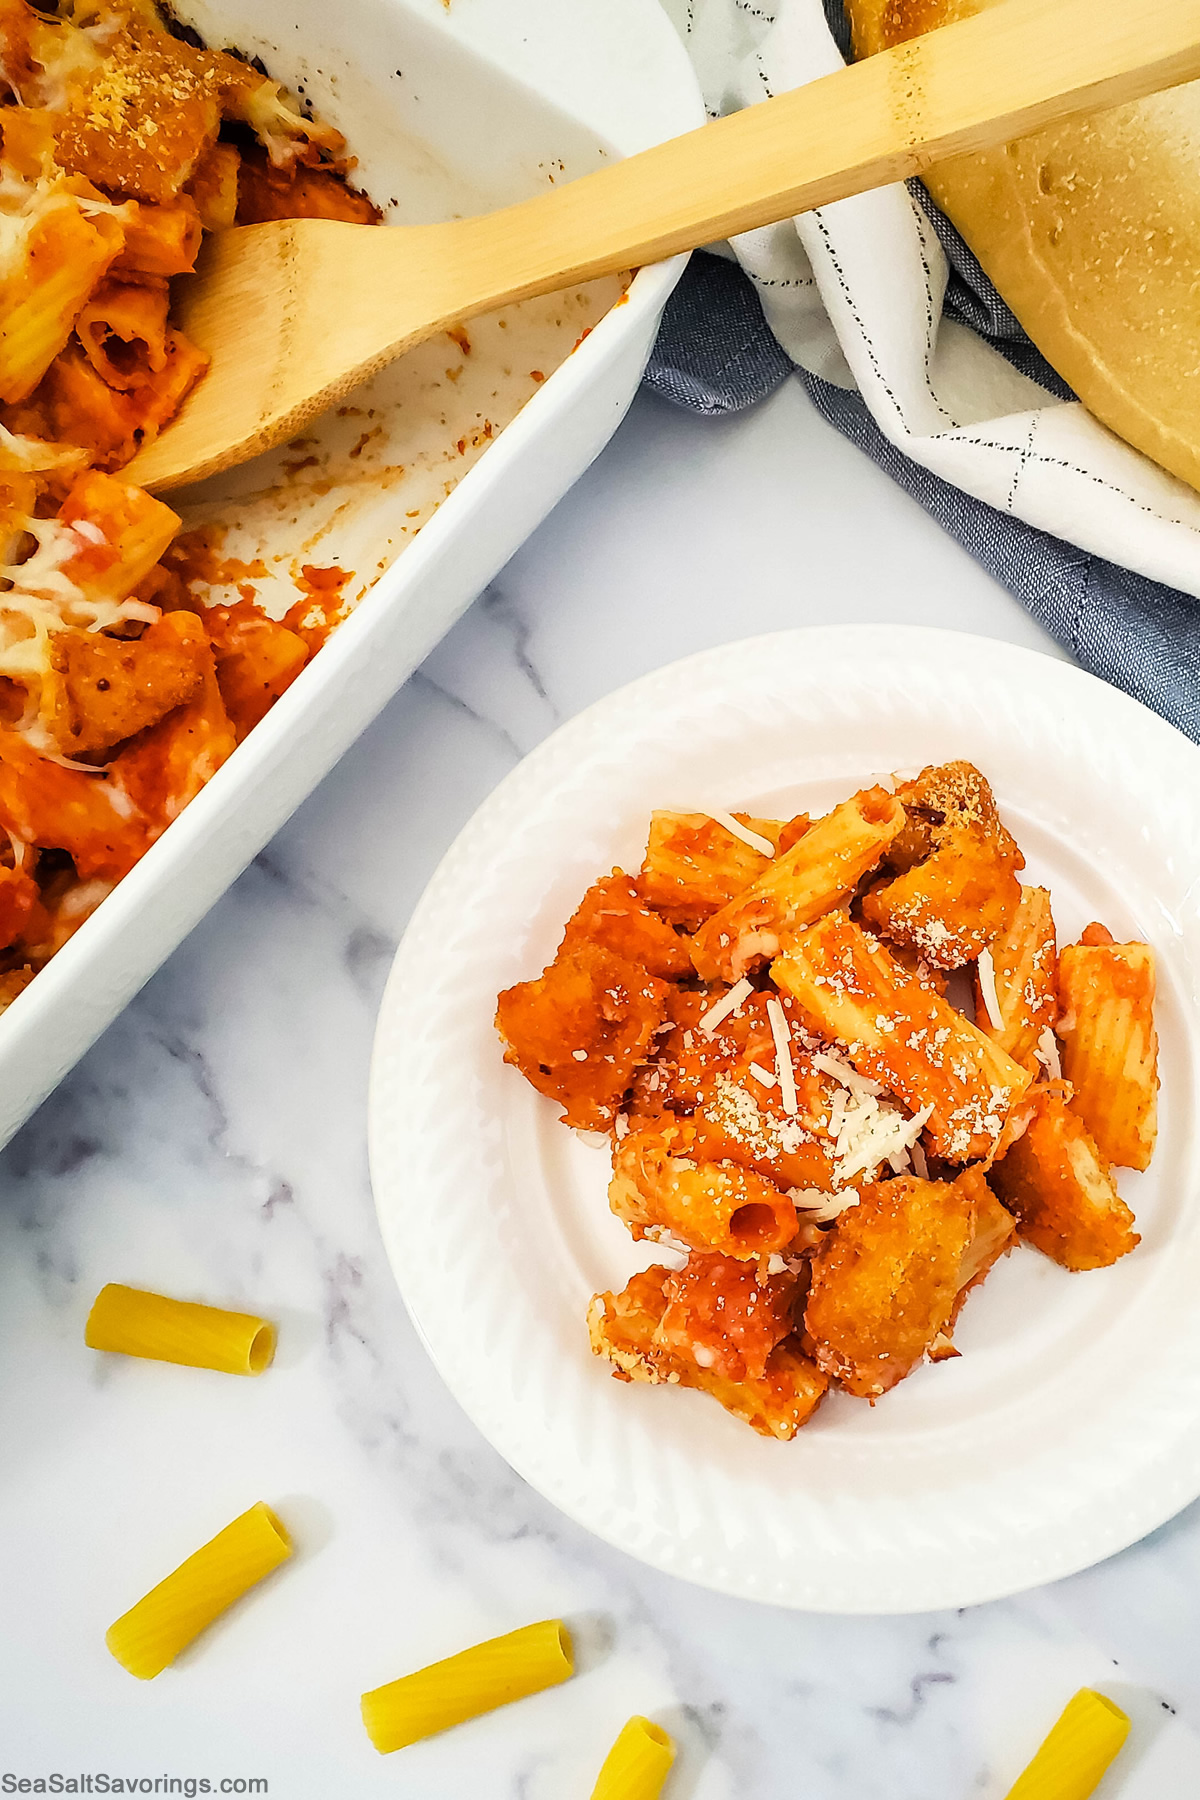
[463, 1686]
[136, 1323]
[151, 1634]
[1071, 1763]
[638, 1763]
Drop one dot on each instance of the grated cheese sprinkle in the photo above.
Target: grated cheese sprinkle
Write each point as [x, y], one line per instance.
[763, 845]
[731, 1002]
[987, 987]
[784, 1071]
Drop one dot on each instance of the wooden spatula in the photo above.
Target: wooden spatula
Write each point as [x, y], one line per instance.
[295, 313]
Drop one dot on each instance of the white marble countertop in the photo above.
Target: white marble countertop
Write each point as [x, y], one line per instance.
[213, 1144]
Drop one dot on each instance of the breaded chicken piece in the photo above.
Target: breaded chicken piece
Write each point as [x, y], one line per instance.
[961, 890]
[613, 913]
[1060, 1188]
[942, 799]
[1110, 1044]
[885, 1282]
[713, 1326]
[580, 1030]
[113, 688]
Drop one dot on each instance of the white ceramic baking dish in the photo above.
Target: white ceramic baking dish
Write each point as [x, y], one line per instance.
[451, 105]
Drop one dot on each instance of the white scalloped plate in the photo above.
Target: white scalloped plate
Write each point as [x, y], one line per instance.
[1070, 1426]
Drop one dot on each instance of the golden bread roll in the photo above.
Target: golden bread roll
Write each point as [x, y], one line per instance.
[1091, 232]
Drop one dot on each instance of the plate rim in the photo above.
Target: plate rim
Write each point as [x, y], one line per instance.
[1122, 1530]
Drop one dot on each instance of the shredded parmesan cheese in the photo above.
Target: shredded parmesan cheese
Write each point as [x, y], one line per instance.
[987, 987]
[845, 1073]
[736, 829]
[1047, 1053]
[784, 1070]
[762, 1075]
[867, 1133]
[822, 1208]
[731, 1002]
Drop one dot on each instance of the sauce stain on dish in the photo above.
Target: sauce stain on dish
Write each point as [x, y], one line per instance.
[358, 486]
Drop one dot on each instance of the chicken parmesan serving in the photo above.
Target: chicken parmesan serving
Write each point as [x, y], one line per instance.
[122, 141]
[843, 1068]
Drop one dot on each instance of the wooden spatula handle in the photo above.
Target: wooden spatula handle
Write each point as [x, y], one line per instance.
[981, 81]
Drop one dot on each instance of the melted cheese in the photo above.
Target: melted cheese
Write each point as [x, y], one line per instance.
[34, 456]
[42, 599]
[282, 131]
[23, 207]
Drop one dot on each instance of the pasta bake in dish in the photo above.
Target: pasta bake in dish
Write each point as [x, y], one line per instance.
[124, 139]
[843, 1068]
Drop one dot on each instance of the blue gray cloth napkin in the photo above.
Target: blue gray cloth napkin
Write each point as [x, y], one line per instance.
[715, 354]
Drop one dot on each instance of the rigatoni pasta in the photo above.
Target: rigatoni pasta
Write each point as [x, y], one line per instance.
[149, 1637]
[638, 1763]
[694, 865]
[767, 1022]
[660, 1189]
[462, 1687]
[1109, 1043]
[1016, 1004]
[820, 871]
[160, 241]
[123, 329]
[132, 1322]
[1077, 1753]
[121, 533]
[61, 255]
